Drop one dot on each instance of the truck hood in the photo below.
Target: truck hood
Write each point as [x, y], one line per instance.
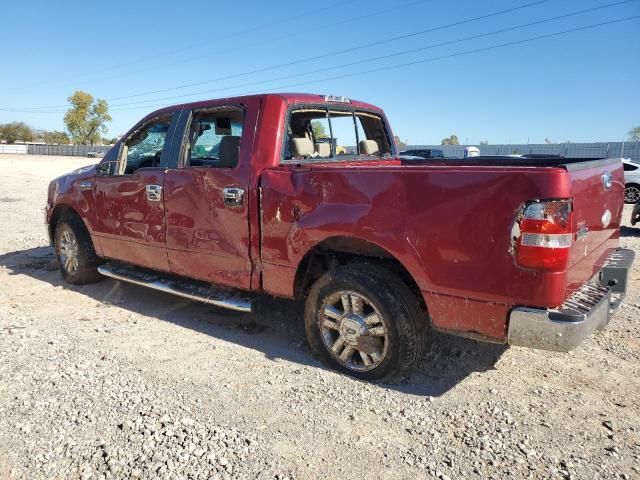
[79, 173]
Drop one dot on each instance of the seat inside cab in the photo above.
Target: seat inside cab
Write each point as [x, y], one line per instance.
[316, 134]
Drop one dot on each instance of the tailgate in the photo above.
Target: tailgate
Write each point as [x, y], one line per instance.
[597, 188]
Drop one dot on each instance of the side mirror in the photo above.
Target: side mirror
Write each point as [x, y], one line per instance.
[103, 168]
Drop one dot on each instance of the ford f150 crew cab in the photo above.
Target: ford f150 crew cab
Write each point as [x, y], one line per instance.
[305, 196]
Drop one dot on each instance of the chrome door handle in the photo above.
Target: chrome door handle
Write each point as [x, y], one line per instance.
[154, 193]
[233, 196]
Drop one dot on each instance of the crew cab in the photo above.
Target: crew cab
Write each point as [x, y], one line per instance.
[252, 195]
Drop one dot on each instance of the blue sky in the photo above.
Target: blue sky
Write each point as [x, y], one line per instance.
[582, 86]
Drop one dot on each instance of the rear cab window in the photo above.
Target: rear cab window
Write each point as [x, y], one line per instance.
[331, 133]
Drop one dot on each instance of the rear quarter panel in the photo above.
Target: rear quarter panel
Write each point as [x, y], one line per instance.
[450, 226]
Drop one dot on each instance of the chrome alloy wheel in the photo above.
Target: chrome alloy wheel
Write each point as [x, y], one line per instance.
[353, 331]
[631, 194]
[68, 251]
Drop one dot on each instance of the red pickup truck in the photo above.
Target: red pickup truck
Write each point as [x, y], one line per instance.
[305, 196]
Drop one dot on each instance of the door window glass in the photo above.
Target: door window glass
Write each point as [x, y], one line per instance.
[144, 148]
[214, 138]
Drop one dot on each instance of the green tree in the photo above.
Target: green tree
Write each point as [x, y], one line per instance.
[16, 131]
[318, 129]
[451, 140]
[634, 134]
[55, 136]
[399, 142]
[109, 141]
[86, 119]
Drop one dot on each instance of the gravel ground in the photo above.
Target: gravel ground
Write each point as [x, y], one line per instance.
[115, 381]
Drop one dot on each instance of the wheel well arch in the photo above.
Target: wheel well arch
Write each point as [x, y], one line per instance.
[340, 250]
[60, 211]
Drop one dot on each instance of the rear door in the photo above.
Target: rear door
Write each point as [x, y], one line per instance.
[207, 196]
[129, 219]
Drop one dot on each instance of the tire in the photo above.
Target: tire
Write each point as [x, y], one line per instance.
[631, 193]
[75, 254]
[387, 331]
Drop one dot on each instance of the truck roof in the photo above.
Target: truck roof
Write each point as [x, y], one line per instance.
[290, 98]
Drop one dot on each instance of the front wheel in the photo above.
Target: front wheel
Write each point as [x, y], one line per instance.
[363, 321]
[76, 257]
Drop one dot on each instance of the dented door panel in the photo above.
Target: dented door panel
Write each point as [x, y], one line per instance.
[130, 226]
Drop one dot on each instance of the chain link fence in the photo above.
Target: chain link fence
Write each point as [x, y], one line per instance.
[69, 150]
[576, 150]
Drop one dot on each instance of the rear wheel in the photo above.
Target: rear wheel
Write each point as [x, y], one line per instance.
[631, 193]
[76, 257]
[363, 321]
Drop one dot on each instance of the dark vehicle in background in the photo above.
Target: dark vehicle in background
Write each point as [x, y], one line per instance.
[423, 153]
[635, 214]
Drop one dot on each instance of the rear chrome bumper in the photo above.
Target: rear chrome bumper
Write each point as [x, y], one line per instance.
[587, 310]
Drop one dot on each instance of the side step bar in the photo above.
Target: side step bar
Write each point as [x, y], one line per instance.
[191, 289]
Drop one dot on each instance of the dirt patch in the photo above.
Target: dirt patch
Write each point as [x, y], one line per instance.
[115, 381]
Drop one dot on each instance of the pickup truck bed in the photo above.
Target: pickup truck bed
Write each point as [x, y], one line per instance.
[448, 223]
[510, 161]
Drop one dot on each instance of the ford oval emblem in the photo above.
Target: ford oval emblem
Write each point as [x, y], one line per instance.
[606, 218]
[606, 181]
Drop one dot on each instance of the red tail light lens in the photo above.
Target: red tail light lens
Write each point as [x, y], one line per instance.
[545, 235]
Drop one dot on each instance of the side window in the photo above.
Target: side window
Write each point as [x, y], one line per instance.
[144, 147]
[629, 168]
[214, 138]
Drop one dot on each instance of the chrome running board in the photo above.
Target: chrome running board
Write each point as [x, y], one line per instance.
[182, 287]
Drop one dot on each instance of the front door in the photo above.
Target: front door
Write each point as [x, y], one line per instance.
[206, 198]
[129, 220]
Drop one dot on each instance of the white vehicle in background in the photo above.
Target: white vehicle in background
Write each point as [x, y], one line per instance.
[631, 180]
[471, 152]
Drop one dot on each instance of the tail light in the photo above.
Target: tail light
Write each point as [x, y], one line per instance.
[545, 235]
